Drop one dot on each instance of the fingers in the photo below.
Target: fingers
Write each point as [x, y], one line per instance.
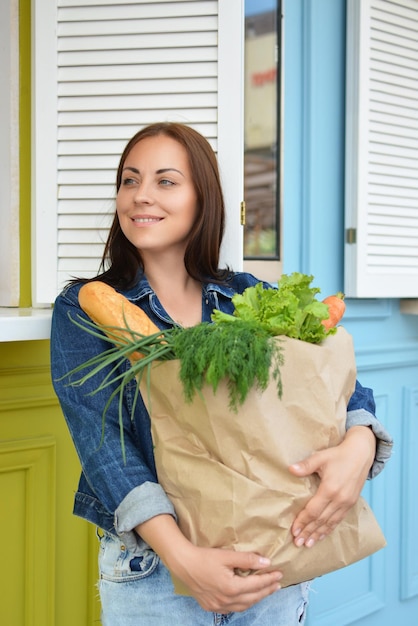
[238, 593]
[252, 589]
[219, 588]
[316, 521]
[246, 560]
[336, 494]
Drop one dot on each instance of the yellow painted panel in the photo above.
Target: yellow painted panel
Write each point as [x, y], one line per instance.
[30, 416]
[12, 487]
[29, 467]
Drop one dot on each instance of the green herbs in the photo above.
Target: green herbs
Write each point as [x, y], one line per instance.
[290, 310]
[242, 354]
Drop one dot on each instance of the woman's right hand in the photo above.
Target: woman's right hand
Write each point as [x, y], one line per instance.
[210, 573]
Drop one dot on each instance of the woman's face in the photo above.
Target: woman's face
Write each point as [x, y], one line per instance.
[156, 202]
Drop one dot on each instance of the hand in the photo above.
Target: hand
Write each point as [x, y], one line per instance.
[210, 573]
[343, 471]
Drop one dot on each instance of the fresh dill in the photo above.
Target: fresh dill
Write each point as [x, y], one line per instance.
[242, 354]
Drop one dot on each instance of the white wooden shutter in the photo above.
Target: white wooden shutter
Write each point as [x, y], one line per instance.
[381, 249]
[119, 66]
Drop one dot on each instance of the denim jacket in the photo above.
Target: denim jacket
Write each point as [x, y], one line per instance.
[117, 495]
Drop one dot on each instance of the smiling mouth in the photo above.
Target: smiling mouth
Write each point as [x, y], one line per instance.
[146, 220]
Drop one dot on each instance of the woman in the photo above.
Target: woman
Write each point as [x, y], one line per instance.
[162, 253]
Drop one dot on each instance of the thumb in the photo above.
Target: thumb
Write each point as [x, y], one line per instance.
[308, 466]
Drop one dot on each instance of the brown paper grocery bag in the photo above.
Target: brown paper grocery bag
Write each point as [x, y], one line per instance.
[227, 473]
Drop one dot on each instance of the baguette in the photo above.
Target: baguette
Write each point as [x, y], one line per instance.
[111, 310]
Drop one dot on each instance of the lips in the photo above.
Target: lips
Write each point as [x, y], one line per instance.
[146, 220]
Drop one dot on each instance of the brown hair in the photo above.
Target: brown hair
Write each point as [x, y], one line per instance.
[202, 253]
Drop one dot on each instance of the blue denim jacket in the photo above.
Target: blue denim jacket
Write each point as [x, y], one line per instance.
[112, 494]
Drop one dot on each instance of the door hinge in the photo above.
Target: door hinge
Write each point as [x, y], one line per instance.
[351, 235]
[242, 213]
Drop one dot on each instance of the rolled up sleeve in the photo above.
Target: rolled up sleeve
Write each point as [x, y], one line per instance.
[384, 442]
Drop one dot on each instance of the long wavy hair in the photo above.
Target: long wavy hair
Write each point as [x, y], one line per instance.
[121, 260]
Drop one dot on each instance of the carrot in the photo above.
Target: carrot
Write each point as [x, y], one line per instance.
[108, 308]
[336, 309]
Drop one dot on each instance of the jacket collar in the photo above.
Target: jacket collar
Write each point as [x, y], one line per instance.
[142, 288]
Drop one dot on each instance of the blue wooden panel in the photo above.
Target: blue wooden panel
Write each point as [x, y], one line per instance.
[409, 551]
[314, 140]
[357, 591]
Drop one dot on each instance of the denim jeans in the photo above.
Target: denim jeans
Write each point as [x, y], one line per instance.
[136, 590]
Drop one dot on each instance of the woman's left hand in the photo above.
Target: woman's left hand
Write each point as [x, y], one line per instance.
[343, 471]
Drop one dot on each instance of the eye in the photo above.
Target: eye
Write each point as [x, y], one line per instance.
[165, 182]
[128, 181]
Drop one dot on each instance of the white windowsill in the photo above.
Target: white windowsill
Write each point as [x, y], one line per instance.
[24, 324]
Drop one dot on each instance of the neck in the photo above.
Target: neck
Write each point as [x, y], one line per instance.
[178, 292]
[162, 274]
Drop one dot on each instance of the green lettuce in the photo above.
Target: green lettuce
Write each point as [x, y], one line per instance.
[292, 309]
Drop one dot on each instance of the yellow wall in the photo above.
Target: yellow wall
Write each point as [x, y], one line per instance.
[49, 556]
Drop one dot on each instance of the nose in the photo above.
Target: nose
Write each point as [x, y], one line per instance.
[143, 194]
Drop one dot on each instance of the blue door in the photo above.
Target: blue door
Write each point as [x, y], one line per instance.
[381, 590]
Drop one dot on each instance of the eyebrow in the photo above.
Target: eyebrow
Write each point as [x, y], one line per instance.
[161, 171]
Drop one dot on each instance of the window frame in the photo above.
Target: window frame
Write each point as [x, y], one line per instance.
[270, 269]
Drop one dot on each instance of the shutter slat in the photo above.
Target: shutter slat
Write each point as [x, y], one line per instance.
[393, 160]
[400, 116]
[396, 224]
[110, 58]
[407, 71]
[97, 4]
[203, 119]
[137, 42]
[391, 175]
[394, 7]
[82, 192]
[135, 72]
[84, 222]
[402, 55]
[141, 28]
[87, 207]
[395, 11]
[80, 236]
[82, 177]
[82, 119]
[123, 88]
[126, 11]
[392, 97]
[404, 211]
[137, 102]
[76, 266]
